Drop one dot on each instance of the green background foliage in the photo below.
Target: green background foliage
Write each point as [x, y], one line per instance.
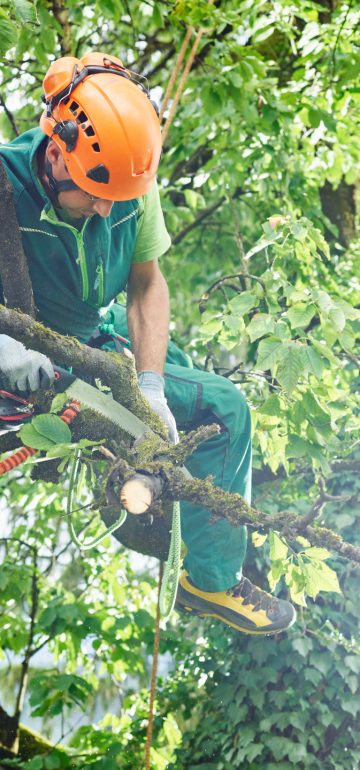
[258, 179]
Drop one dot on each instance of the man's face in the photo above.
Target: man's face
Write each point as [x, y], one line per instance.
[77, 204]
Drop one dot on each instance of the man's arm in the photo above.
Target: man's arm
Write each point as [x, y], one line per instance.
[148, 321]
[148, 315]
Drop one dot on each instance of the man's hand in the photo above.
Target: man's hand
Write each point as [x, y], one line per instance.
[21, 369]
[152, 387]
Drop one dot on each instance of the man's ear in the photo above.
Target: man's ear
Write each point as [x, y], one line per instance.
[54, 156]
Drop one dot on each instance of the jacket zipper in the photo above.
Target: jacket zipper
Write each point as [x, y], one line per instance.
[81, 259]
[100, 272]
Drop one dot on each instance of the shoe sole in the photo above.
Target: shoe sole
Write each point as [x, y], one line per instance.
[252, 632]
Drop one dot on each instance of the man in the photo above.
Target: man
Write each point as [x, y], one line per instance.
[89, 212]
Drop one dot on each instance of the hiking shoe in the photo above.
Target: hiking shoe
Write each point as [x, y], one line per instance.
[244, 606]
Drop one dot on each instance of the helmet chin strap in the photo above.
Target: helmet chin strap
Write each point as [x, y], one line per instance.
[58, 186]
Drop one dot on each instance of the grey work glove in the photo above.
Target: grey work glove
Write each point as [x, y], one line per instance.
[152, 387]
[22, 369]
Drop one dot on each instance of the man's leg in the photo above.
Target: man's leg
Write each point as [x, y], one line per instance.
[211, 584]
[215, 552]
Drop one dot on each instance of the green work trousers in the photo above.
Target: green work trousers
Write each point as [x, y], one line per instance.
[215, 552]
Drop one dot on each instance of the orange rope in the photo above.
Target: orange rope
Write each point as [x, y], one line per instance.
[176, 70]
[153, 674]
[17, 458]
[183, 78]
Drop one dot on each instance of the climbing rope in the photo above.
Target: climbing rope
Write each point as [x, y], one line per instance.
[172, 566]
[184, 75]
[70, 510]
[154, 671]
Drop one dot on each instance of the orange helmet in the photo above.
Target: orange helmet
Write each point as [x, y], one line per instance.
[101, 117]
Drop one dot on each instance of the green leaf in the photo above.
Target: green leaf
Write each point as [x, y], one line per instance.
[59, 402]
[319, 554]
[323, 299]
[258, 540]
[353, 663]
[53, 761]
[263, 244]
[303, 645]
[269, 352]
[191, 198]
[297, 753]
[260, 324]
[8, 35]
[53, 428]
[290, 367]
[271, 407]
[242, 303]
[301, 314]
[337, 318]
[25, 11]
[278, 549]
[313, 362]
[30, 437]
[320, 577]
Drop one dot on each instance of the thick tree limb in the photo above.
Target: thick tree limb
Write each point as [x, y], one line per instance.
[119, 373]
[116, 371]
[13, 264]
[235, 509]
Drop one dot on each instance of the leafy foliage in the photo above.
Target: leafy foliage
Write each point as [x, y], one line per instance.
[258, 186]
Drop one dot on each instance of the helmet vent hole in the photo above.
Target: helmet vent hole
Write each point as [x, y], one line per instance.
[89, 131]
[81, 118]
[73, 107]
[96, 147]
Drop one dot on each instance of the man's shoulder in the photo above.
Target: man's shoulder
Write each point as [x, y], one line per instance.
[18, 155]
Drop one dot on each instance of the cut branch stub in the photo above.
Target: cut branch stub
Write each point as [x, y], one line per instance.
[139, 492]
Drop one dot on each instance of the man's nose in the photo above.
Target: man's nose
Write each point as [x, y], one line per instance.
[103, 207]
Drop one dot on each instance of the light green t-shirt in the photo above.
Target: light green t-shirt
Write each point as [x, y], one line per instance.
[152, 239]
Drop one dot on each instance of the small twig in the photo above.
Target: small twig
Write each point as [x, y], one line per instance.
[26, 661]
[224, 280]
[9, 116]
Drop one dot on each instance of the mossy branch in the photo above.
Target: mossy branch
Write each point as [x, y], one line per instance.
[113, 369]
[118, 372]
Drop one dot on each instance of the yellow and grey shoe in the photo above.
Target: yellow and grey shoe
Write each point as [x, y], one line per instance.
[244, 606]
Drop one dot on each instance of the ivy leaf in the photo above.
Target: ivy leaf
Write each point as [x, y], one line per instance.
[301, 314]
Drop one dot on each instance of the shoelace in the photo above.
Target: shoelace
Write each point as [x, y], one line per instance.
[253, 595]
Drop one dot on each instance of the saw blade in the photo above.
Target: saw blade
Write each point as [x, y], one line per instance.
[108, 407]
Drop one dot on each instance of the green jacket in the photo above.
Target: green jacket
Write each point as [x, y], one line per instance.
[77, 271]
